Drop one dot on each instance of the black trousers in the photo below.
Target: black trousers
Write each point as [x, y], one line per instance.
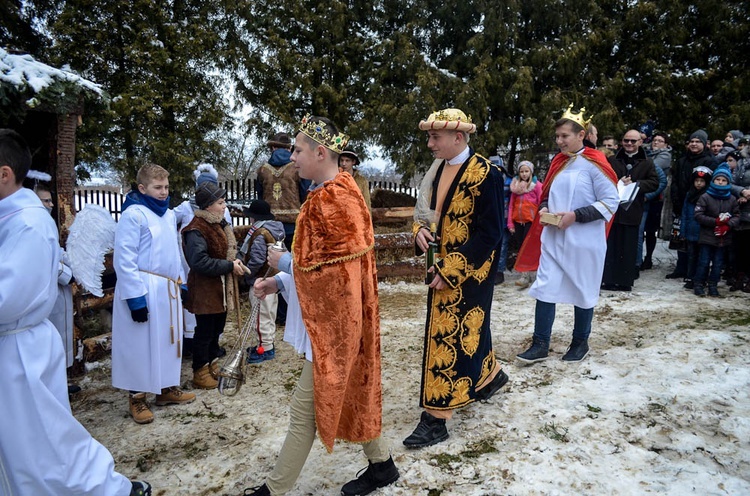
[622, 247]
[653, 224]
[208, 327]
[741, 250]
[521, 231]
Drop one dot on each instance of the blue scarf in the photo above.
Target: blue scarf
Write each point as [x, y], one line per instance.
[159, 207]
[722, 192]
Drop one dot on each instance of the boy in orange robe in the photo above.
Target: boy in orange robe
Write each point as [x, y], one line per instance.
[336, 323]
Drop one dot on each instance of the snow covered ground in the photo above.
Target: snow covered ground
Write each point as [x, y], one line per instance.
[660, 406]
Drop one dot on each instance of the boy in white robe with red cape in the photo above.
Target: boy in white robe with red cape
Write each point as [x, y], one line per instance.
[580, 191]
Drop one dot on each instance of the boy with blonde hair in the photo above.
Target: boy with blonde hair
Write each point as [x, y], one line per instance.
[147, 309]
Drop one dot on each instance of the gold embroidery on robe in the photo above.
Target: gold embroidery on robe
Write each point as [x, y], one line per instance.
[472, 324]
[461, 391]
[482, 272]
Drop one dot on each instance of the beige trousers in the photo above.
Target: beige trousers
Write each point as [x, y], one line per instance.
[267, 326]
[301, 434]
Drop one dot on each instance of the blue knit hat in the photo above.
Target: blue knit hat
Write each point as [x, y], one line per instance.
[205, 173]
[723, 170]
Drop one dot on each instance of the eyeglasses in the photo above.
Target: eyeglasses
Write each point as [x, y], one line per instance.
[47, 200]
[658, 140]
[630, 140]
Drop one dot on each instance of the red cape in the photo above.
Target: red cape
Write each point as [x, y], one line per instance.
[531, 250]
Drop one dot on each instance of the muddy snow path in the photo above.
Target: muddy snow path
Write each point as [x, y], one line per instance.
[660, 406]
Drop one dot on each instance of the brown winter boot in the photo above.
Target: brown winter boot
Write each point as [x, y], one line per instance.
[213, 367]
[139, 409]
[173, 396]
[203, 379]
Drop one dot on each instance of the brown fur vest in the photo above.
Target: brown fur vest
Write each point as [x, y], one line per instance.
[206, 294]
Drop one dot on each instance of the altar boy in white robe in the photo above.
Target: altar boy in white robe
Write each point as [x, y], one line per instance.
[147, 313]
[43, 448]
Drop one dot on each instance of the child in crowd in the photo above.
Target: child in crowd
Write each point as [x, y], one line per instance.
[689, 227]
[184, 212]
[525, 195]
[147, 310]
[264, 232]
[210, 249]
[717, 212]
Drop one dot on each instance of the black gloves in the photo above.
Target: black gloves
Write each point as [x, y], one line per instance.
[140, 315]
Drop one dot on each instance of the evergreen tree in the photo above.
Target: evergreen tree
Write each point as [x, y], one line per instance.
[155, 61]
[377, 67]
[290, 58]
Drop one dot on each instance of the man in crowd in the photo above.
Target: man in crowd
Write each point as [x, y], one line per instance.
[697, 154]
[331, 282]
[580, 192]
[43, 449]
[610, 142]
[279, 184]
[631, 165]
[591, 137]
[716, 146]
[348, 160]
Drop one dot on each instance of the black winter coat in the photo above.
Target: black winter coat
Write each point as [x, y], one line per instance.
[643, 172]
[682, 176]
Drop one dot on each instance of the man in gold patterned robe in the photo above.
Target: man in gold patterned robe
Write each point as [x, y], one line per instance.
[462, 195]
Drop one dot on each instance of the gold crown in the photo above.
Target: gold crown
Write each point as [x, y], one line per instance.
[316, 131]
[577, 118]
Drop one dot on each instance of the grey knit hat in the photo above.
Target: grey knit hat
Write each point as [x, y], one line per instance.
[701, 135]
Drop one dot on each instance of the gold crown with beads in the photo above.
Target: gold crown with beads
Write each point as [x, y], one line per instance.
[316, 131]
[577, 118]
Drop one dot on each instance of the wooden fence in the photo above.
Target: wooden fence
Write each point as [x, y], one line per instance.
[109, 197]
[239, 192]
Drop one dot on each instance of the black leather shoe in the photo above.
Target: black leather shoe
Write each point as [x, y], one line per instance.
[375, 476]
[493, 387]
[674, 275]
[538, 351]
[257, 491]
[577, 351]
[429, 431]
